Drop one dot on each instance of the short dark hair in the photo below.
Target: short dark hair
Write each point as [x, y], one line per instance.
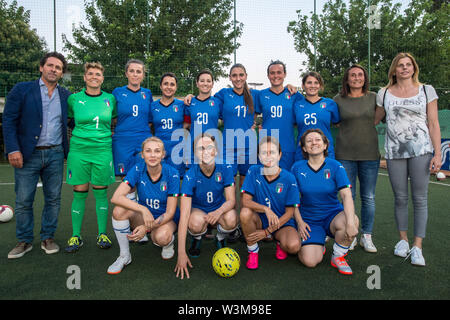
[204, 71]
[324, 139]
[168, 74]
[313, 74]
[56, 55]
[274, 63]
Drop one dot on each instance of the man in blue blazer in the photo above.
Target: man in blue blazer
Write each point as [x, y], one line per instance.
[36, 143]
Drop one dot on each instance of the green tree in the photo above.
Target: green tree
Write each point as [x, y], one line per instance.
[181, 36]
[342, 39]
[20, 47]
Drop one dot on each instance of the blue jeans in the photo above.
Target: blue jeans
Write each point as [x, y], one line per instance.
[367, 173]
[49, 166]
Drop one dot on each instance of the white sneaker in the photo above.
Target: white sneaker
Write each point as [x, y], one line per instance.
[119, 264]
[401, 248]
[417, 258]
[168, 251]
[366, 243]
[352, 246]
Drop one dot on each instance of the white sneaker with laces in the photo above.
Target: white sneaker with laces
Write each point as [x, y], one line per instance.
[119, 264]
[417, 258]
[366, 243]
[168, 251]
[401, 248]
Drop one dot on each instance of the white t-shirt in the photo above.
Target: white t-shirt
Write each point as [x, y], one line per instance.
[407, 133]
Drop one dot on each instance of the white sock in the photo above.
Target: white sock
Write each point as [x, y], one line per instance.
[222, 233]
[122, 229]
[253, 248]
[197, 236]
[339, 250]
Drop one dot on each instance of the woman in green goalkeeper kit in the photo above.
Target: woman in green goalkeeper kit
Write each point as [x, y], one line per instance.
[90, 158]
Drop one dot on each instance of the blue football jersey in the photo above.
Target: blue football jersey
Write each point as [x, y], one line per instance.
[204, 115]
[319, 188]
[153, 194]
[207, 192]
[133, 110]
[318, 115]
[167, 119]
[278, 114]
[277, 194]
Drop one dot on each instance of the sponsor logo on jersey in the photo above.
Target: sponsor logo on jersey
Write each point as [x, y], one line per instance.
[82, 102]
[327, 173]
[279, 187]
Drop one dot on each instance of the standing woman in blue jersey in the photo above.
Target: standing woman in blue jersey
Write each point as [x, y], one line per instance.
[133, 109]
[320, 179]
[238, 115]
[270, 195]
[167, 116]
[315, 112]
[276, 104]
[207, 198]
[157, 185]
[204, 110]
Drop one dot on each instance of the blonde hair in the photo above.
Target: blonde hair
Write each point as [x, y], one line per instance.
[93, 65]
[153, 139]
[392, 69]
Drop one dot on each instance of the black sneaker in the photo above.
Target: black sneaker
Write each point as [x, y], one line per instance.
[235, 235]
[194, 250]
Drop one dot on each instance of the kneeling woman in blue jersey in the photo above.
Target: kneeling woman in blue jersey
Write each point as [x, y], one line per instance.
[156, 211]
[320, 180]
[203, 201]
[269, 197]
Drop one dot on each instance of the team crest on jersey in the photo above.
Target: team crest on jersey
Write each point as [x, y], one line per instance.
[279, 187]
[323, 105]
[211, 103]
[287, 96]
[106, 101]
[121, 167]
[143, 95]
[327, 173]
[218, 177]
[175, 108]
[163, 186]
[70, 174]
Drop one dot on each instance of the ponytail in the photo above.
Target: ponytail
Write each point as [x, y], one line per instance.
[248, 99]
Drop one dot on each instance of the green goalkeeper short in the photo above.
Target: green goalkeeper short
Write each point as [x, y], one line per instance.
[94, 165]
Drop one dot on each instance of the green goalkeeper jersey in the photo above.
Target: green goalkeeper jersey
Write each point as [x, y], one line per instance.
[92, 115]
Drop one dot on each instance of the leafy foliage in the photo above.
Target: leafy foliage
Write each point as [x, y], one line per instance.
[181, 36]
[342, 39]
[20, 47]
